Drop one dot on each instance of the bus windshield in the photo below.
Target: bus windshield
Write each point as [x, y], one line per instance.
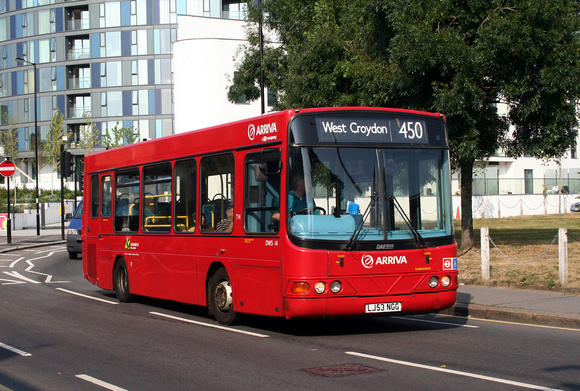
[369, 194]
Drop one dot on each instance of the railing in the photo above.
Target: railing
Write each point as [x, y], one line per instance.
[77, 24]
[79, 112]
[76, 54]
[499, 186]
[79, 82]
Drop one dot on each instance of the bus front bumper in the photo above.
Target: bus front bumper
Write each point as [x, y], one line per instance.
[329, 307]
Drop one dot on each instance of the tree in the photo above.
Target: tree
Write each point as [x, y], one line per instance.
[9, 138]
[118, 137]
[54, 140]
[89, 136]
[458, 58]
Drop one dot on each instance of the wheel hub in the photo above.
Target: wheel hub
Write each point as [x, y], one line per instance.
[223, 296]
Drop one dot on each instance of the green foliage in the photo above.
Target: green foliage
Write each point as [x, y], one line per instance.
[118, 137]
[54, 140]
[89, 136]
[9, 137]
[460, 58]
[22, 198]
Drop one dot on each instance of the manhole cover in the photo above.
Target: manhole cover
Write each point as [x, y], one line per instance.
[341, 370]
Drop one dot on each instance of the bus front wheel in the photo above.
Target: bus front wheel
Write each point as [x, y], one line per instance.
[121, 281]
[220, 299]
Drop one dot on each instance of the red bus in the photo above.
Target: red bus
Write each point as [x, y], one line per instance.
[306, 213]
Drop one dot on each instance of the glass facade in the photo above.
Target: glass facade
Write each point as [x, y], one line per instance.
[110, 61]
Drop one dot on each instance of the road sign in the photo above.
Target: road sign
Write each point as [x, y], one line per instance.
[7, 168]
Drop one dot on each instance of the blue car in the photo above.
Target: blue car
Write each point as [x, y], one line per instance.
[73, 233]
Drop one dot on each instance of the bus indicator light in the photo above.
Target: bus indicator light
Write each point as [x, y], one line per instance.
[300, 287]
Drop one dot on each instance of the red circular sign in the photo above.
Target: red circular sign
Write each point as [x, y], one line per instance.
[7, 168]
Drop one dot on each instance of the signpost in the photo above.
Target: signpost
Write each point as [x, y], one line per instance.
[7, 169]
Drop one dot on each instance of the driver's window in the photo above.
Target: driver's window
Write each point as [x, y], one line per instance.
[217, 193]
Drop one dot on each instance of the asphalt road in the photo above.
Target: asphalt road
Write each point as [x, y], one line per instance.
[59, 332]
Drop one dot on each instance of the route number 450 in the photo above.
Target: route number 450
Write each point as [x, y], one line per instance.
[411, 130]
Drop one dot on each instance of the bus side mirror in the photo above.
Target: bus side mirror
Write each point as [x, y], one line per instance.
[261, 172]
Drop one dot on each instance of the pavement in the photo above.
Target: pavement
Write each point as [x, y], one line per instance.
[548, 308]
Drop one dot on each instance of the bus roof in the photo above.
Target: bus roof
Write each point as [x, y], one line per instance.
[268, 128]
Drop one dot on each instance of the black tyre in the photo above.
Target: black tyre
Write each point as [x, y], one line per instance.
[219, 297]
[72, 255]
[121, 281]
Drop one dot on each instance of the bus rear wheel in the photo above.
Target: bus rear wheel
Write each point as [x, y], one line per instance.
[121, 281]
[220, 299]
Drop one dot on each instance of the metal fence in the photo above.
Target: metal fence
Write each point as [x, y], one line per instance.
[49, 215]
[497, 186]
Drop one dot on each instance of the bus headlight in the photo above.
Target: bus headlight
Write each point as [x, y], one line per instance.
[335, 286]
[433, 282]
[319, 287]
[446, 281]
[300, 287]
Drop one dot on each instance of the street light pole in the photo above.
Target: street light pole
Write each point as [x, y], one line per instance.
[35, 144]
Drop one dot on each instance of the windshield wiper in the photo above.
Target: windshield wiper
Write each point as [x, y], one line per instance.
[351, 244]
[418, 238]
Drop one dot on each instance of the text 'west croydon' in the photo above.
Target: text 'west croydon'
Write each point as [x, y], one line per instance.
[330, 127]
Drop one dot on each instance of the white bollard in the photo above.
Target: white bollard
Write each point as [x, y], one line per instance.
[485, 269]
[563, 255]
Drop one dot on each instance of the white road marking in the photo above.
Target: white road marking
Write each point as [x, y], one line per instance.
[434, 321]
[14, 350]
[48, 279]
[86, 296]
[211, 325]
[453, 372]
[100, 383]
[18, 275]
[15, 262]
[11, 282]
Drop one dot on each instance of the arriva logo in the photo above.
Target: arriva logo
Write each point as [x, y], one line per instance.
[368, 261]
[262, 130]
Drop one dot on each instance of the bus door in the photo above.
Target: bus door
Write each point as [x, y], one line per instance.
[259, 264]
[99, 225]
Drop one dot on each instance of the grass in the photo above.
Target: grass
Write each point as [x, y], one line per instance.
[522, 239]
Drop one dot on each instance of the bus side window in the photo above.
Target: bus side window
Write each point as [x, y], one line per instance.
[106, 194]
[157, 198]
[262, 192]
[127, 201]
[217, 192]
[185, 196]
[94, 196]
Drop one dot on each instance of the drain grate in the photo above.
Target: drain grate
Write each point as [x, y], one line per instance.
[341, 370]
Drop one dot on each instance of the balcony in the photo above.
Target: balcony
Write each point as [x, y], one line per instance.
[78, 54]
[75, 83]
[79, 112]
[77, 24]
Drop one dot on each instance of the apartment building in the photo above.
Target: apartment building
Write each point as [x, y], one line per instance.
[109, 62]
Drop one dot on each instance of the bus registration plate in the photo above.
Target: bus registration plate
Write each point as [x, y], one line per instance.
[383, 307]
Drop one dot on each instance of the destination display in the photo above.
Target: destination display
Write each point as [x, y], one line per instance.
[356, 130]
[369, 129]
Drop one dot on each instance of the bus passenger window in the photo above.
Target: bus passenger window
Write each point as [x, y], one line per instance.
[262, 192]
[157, 198]
[106, 194]
[217, 192]
[127, 201]
[94, 196]
[185, 196]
